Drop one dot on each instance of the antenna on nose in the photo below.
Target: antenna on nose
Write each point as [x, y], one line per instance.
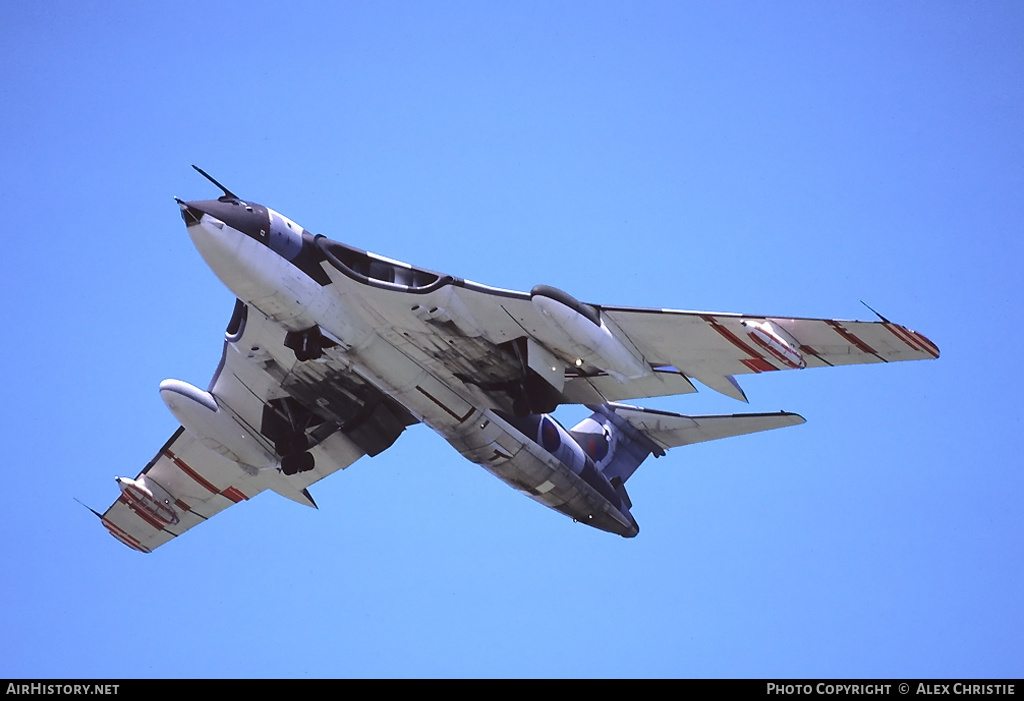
[228, 195]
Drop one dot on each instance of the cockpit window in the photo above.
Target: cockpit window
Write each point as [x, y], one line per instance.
[366, 267]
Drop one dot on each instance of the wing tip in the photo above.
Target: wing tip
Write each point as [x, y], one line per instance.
[796, 419]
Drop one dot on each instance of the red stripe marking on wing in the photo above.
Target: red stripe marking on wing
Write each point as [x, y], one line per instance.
[810, 351]
[146, 516]
[129, 543]
[758, 365]
[929, 347]
[191, 473]
[774, 353]
[902, 334]
[234, 494]
[851, 338]
[121, 535]
[736, 341]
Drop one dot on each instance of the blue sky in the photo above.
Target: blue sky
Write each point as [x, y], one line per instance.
[787, 159]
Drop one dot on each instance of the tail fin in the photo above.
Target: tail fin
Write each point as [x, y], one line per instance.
[619, 437]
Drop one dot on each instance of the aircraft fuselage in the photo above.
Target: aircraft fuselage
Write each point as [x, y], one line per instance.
[356, 306]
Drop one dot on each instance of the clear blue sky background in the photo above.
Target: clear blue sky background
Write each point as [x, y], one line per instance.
[776, 158]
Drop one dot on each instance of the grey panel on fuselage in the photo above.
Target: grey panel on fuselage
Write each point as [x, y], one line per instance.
[285, 237]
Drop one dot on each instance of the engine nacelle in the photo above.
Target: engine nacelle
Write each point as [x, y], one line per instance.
[585, 339]
[777, 341]
[550, 435]
[213, 426]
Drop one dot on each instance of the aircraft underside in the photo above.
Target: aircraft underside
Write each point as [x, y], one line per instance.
[332, 352]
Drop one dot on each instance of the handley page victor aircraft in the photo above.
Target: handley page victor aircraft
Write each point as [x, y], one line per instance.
[332, 352]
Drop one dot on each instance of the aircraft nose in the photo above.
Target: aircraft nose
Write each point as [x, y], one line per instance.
[189, 213]
[249, 218]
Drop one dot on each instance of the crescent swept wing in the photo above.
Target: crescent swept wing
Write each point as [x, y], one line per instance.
[188, 481]
[711, 347]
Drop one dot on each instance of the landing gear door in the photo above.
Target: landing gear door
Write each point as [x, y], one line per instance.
[545, 363]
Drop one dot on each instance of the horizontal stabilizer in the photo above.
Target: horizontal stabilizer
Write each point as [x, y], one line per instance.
[670, 430]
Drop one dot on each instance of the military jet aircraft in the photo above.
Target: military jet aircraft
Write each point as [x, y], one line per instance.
[332, 352]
